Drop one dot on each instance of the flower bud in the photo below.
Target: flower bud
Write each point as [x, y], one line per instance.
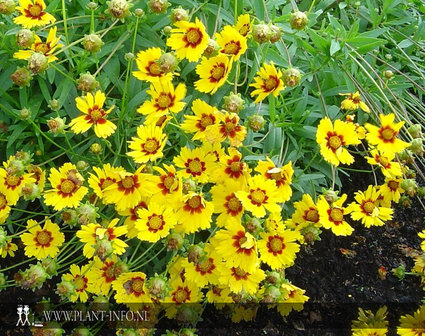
[81, 331]
[399, 272]
[7, 7]
[406, 156]
[82, 165]
[92, 43]
[25, 113]
[92, 5]
[158, 287]
[211, 49]
[103, 249]
[118, 9]
[30, 191]
[56, 125]
[194, 253]
[179, 14]
[54, 104]
[158, 6]
[129, 56]
[276, 33]
[16, 167]
[405, 201]
[65, 289]
[256, 122]
[409, 173]
[168, 62]
[95, 148]
[388, 57]
[311, 233]
[100, 302]
[421, 192]
[50, 266]
[388, 74]
[21, 77]
[252, 225]
[188, 186]
[167, 30]
[330, 195]
[298, 20]
[415, 131]
[174, 241]
[233, 103]
[187, 314]
[273, 278]
[187, 332]
[261, 33]
[87, 83]
[291, 77]
[271, 294]
[3, 280]
[69, 217]
[416, 146]
[86, 213]
[37, 63]
[33, 277]
[410, 186]
[139, 12]
[25, 38]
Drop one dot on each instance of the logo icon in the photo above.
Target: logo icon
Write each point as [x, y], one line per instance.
[23, 310]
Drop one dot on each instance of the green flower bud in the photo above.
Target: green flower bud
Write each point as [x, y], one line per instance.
[276, 33]
[195, 253]
[50, 266]
[252, 225]
[298, 20]
[158, 287]
[410, 186]
[388, 57]
[421, 192]
[82, 165]
[211, 49]
[119, 9]
[21, 77]
[233, 103]
[261, 33]
[7, 7]
[399, 272]
[187, 314]
[65, 289]
[33, 277]
[100, 302]
[87, 83]
[25, 38]
[291, 77]
[129, 56]
[92, 43]
[167, 30]
[25, 113]
[69, 217]
[179, 14]
[416, 146]
[174, 241]
[311, 234]
[92, 6]
[256, 122]
[388, 74]
[139, 12]
[415, 131]
[81, 331]
[168, 62]
[158, 6]
[95, 148]
[271, 294]
[54, 104]
[56, 125]
[37, 63]
[273, 278]
[405, 201]
[330, 195]
[187, 332]
[188, 186]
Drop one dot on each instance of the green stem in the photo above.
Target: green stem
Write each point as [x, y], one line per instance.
[18, 264]
[65, 25]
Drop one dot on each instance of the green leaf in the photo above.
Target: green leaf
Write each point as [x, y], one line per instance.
[335, 47]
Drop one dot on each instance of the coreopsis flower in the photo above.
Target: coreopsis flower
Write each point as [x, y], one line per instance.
[155, 222]
[261, 195]
[231, 42]
[9, 249]
[92, 234]
[148, 144]
[104, 177]
[39, 175]
[226, 204]
[32, 14]
[367, 209]
[231, 167]
[11, 185]
[195, 163]
[103, 273]
[370, 324]
[204, 271]
[219, 295]
[385, 137]
[165, 99]
[5, 205]
[42, 242]
[194, 213]
[181, 292]
[385, 161]
[332, 216]
[237, 247]
[306, 213]
[391, 191]
[130, 287]
[149, 69]
[274, 222]
[169, 184]
[77, 277]
[205, 115]
[67, 187]
[238, 279]
[353, 102]
[281, 176]
[189, 40]
[48, 48]
[278, 249]
[244, 24]
[293, 299]
[213, 73]
[268, 81]
[227, 128]
[132, 216]
[333, 140]
[412, 325]
[93, 115]
[128, 191]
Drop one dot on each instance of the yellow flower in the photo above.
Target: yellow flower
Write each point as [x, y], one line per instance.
[367, 210]
[42, 242]
[105, 176]
[148, 145]
[170, 186]
[244, 24]
[391, 191]
[205, 115]
[274, 223]
[194, 213]
[128, 191]
[227, 128]
[278, 249]
[219, 295]
[133, 216]
[93, 115]
[213, 73]
[232, 43]
[204, 271]
[333, 140]
[231, 167]
[130, 287]
[4, 207]
[148, 66]
[385, 162]
[332, 217]
[182, 292]
[155, 222]
[293, 299]
[238, 280]
[281, 176]
[196, 163]
[226, 204]
[32, 14]
[385, 137]
[165, 99]
[189, 40]
[237, 247]
[9, 248]
[103, 273]
[306, 213]
[412, 325]
[268, 81]
[67, 187]
[370, 324]
[39, 175]
[262, 195]
[47, 49]
[11, 185]
[353, 102]
[80, 281]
